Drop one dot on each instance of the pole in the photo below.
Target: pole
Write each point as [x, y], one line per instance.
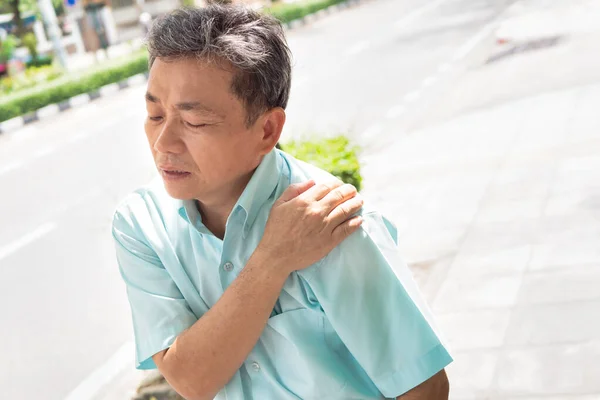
[51, 22]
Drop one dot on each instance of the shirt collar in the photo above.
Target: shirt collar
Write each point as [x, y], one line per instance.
[258, 190]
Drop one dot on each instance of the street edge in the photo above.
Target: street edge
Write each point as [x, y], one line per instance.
[136, 80]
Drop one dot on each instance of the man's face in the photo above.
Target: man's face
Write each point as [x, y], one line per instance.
[197, 130]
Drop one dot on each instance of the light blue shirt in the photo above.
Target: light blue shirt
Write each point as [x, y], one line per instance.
[351, 326]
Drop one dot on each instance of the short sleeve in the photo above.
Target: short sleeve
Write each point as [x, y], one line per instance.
[158, 310]
[372, 302]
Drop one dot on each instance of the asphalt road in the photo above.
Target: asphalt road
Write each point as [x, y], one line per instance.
[65, 317]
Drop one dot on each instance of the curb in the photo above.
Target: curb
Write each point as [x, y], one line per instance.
[136, 80]
[73, 102]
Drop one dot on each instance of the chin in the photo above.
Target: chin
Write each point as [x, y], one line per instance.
[180, 191]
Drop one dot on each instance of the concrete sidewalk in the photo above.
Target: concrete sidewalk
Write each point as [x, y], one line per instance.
[497, 198]
[499, 214]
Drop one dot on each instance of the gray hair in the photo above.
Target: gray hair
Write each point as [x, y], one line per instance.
[253, 43]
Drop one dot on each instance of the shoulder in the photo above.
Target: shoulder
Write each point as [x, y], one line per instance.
[144, 210]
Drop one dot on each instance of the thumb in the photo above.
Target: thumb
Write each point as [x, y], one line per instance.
[295, 190]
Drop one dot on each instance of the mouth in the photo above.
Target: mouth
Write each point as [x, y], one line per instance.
[173, 174]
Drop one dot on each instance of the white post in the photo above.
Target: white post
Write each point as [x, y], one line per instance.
[38, 30]
[49, 16]
[76, 33]
[109, 25]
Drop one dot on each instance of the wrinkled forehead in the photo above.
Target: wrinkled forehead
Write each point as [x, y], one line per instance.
[190, 81]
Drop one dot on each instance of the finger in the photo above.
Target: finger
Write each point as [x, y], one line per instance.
[320, 190]
[295, 190]
[344, 211]
[346, 229]
[338, 196]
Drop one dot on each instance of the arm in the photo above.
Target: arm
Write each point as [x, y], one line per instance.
[199, 356]
[374, 306]
[204, 357]
[435, 388]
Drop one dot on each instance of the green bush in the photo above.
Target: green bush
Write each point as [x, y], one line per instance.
[60, 90]
[30, 41]
[335, 155]
[7, 48]
[39, 61]
[29, 78]
[287, 12]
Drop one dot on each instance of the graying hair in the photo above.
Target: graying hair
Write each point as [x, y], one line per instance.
[253, 43]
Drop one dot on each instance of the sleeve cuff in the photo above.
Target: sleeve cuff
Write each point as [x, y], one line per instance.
[152, 345]
[401, 381]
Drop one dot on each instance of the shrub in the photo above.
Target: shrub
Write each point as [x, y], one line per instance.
[7, 48]
[29, 78]
[287, 12]
[63, 89]
[30, 41]
[40, 61]
[335, 155]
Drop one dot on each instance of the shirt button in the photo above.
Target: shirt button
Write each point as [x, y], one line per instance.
[228, 266]
[255, 366]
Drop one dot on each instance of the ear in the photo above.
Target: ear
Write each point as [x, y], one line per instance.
[271, 125]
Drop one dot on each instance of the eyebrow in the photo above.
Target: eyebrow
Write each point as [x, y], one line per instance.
[185, 106]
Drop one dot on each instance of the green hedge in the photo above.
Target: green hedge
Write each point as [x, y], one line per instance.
[63, 89]
[335, 155]
[287, 12]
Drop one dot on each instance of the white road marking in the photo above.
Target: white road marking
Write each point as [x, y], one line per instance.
[412, 96]
[107, 372]
[11, 167]
[25, 240]
[444, 67]
[429, 81]
[410, 17]
[358, 47]
[395, 111]
[474, 41]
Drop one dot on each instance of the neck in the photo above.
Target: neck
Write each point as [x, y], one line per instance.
[215, 211]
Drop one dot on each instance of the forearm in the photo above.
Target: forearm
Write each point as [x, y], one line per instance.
[435, 388]
[205, 357]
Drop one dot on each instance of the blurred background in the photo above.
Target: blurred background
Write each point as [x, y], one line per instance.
[473, 124]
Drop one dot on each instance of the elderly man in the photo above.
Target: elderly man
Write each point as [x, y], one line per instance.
[250, 274]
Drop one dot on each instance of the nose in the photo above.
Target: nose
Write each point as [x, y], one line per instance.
[168, 140]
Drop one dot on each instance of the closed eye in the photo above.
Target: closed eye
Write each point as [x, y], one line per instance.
[196, 126]
[156, 119]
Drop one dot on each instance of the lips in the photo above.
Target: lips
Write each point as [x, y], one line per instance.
[169, 172]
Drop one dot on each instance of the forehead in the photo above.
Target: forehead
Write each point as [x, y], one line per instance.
[189, 80]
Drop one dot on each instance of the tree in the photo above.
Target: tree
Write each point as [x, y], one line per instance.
[15, 10]
[18, 8]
